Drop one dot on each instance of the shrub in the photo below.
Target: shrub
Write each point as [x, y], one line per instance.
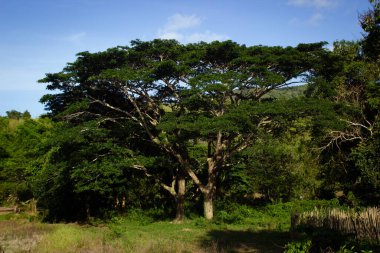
[364, 225]
[298, 247]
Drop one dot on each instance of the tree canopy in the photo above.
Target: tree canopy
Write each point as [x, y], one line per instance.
[198, 103]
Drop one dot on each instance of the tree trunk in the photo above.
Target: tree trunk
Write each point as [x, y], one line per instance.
[208, 192]
[180, 198]
[208, 205]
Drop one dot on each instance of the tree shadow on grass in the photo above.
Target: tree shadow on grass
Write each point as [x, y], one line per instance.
[246, 241]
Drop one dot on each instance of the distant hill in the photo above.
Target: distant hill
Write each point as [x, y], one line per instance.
[287, 92]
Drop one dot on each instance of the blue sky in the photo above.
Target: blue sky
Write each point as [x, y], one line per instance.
[41, 36]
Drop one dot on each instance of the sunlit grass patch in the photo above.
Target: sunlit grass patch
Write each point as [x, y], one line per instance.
[75, 238]
[238, 229]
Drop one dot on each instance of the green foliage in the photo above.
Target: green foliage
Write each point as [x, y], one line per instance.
[21, 151]
[337, 242]
[270, 216]
[367, 161]
[87, 174]
[348, 141]
[275, 168]
[347, 249]
[298, 247]
[370, 21]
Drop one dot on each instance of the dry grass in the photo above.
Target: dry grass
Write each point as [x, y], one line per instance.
[21, 235]
[24, 236]
[76, 238]
[365, 225]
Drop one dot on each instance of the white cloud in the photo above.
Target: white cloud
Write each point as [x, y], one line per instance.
[171, 36]
[75, 38]
[206, 36]
[179, 22]
[313, 20]
[314, 3]
[319, 8]
[181, 27]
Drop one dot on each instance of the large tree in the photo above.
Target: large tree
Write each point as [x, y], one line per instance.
[370, 22]
[199, 103]
[349, 78]
[85, 98]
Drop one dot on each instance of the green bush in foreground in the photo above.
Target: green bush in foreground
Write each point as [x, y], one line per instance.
[274, 216]
[298, 247]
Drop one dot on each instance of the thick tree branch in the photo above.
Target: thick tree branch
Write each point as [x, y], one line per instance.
[338, 137]
[170, 189]
[369, 128]
[114, 108]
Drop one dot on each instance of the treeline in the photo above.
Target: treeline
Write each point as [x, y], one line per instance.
[172, 127]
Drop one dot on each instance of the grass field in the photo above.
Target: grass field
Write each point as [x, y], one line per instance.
[241, 229]
[139, 233]
[126, 236]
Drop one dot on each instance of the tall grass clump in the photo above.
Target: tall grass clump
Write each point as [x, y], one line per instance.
[364, 225]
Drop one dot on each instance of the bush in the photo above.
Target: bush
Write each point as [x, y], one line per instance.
[234, 214]
[272, 216]
[298, 247]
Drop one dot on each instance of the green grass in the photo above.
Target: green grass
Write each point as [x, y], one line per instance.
[76, 238]
[125, 235]
[4, 217]
[236, 229]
